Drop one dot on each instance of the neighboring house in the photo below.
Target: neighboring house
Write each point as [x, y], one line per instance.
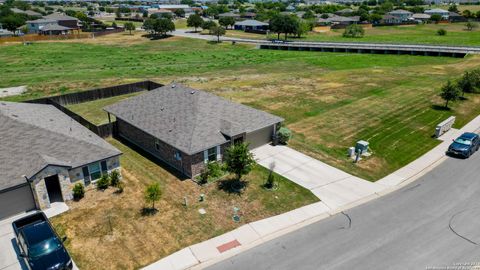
[36, 26]
[26, 12]
[64, 20]
[43, 154]
[389, 19]
[455, 17]
[344, 12]
[160, 12]
[401, 15]
[438, 11]
[187, 128]
[421, 17]
[251, 25]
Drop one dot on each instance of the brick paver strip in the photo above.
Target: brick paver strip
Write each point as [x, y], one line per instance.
[228, 246]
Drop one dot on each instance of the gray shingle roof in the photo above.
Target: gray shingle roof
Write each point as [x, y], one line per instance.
[60, 17]
[35, 136]
[189, 119]
[55, 27]
[251, 23]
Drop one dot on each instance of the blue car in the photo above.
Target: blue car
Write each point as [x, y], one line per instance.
[464, 145]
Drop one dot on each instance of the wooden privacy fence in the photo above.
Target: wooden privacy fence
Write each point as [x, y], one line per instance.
[104, 130]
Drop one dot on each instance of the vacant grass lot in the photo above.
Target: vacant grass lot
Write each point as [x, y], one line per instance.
[107, 230]
[411, 34]
[329, 100]
[93, 110]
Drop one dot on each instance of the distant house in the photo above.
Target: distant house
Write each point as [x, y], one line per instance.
[187, 128]
[54, 29]
[36, 26]
[338, 20]
[344, 12]
[455, 17]
[438, 11]
[5, 33]
[229, 14]
[389, 19]
[248, 15]
[43, 154]
[26, 12]
[160, 12]
[64, 20]
[251, 25]
[421, 17]
[401, 15]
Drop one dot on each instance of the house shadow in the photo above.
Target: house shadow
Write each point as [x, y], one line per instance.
[21, 261]
[440, 108]
[232, 186]
[153, 158]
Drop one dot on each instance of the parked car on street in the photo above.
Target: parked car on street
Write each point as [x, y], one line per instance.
[39, 244]
[464, 145]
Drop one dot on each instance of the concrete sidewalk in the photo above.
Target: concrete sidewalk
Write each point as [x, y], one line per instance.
[337, 190]
[334, 187]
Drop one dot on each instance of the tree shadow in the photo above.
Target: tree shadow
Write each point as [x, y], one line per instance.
[440, 108]
[232, 186]
[156, 36]
[148, 211]
[463, 98]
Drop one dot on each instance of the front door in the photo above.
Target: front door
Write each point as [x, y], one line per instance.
[53, 188]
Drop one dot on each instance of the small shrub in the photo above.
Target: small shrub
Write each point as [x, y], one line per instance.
[442, 32]
[120, 186]
[103, 182]
[78, 191]
[284, 134]
[114, 178]
[354, 31]
[270, 181]
[212, 171]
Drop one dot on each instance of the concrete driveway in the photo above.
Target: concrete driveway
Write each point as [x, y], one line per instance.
[9, 252]
[333, 186]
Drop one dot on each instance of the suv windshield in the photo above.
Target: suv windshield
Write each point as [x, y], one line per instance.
[463, 141]
[44, 247]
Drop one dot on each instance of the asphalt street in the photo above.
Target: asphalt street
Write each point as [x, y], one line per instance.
[430, 224]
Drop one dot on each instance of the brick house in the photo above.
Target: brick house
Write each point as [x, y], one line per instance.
[187, 128]
[43, 154]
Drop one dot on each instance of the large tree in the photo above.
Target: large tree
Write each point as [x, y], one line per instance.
[449, 92]
[226, 21]
[217, 31]
[194, 21]
[129, 26]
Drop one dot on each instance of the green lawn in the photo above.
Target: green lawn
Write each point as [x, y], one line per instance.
[329, 100]
[112, 224]
[93, 110]
[411, 34]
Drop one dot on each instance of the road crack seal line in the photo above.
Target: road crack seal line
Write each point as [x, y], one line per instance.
[453, 230]
[349, 220]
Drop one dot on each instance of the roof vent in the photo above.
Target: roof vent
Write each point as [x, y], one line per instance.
[193, 92]
[14, 115]
[173, 85]
[4, 104]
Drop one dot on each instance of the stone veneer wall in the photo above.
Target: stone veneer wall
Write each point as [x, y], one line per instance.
[67, 179]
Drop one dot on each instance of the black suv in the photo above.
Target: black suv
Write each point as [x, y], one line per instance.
[464, 145]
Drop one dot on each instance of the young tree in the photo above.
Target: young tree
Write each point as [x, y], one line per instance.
[354, 31]
[239, 160]
[471, 25]
[470, 82]
[208, 25]
[129, 26]
[226, 21]
[194, 21]
[218, 31]
[449, 92]
[153, 194]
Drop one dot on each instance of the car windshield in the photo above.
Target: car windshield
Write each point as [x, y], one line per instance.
[44, 247]
[463, 141]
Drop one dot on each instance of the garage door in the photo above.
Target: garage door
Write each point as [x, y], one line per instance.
[16, 201]
[260, 137]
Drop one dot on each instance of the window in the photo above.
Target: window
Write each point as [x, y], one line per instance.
[86, 175]
[177, 155]
[104, 167]
[157, 144]
[94, 170]
[212, 154]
